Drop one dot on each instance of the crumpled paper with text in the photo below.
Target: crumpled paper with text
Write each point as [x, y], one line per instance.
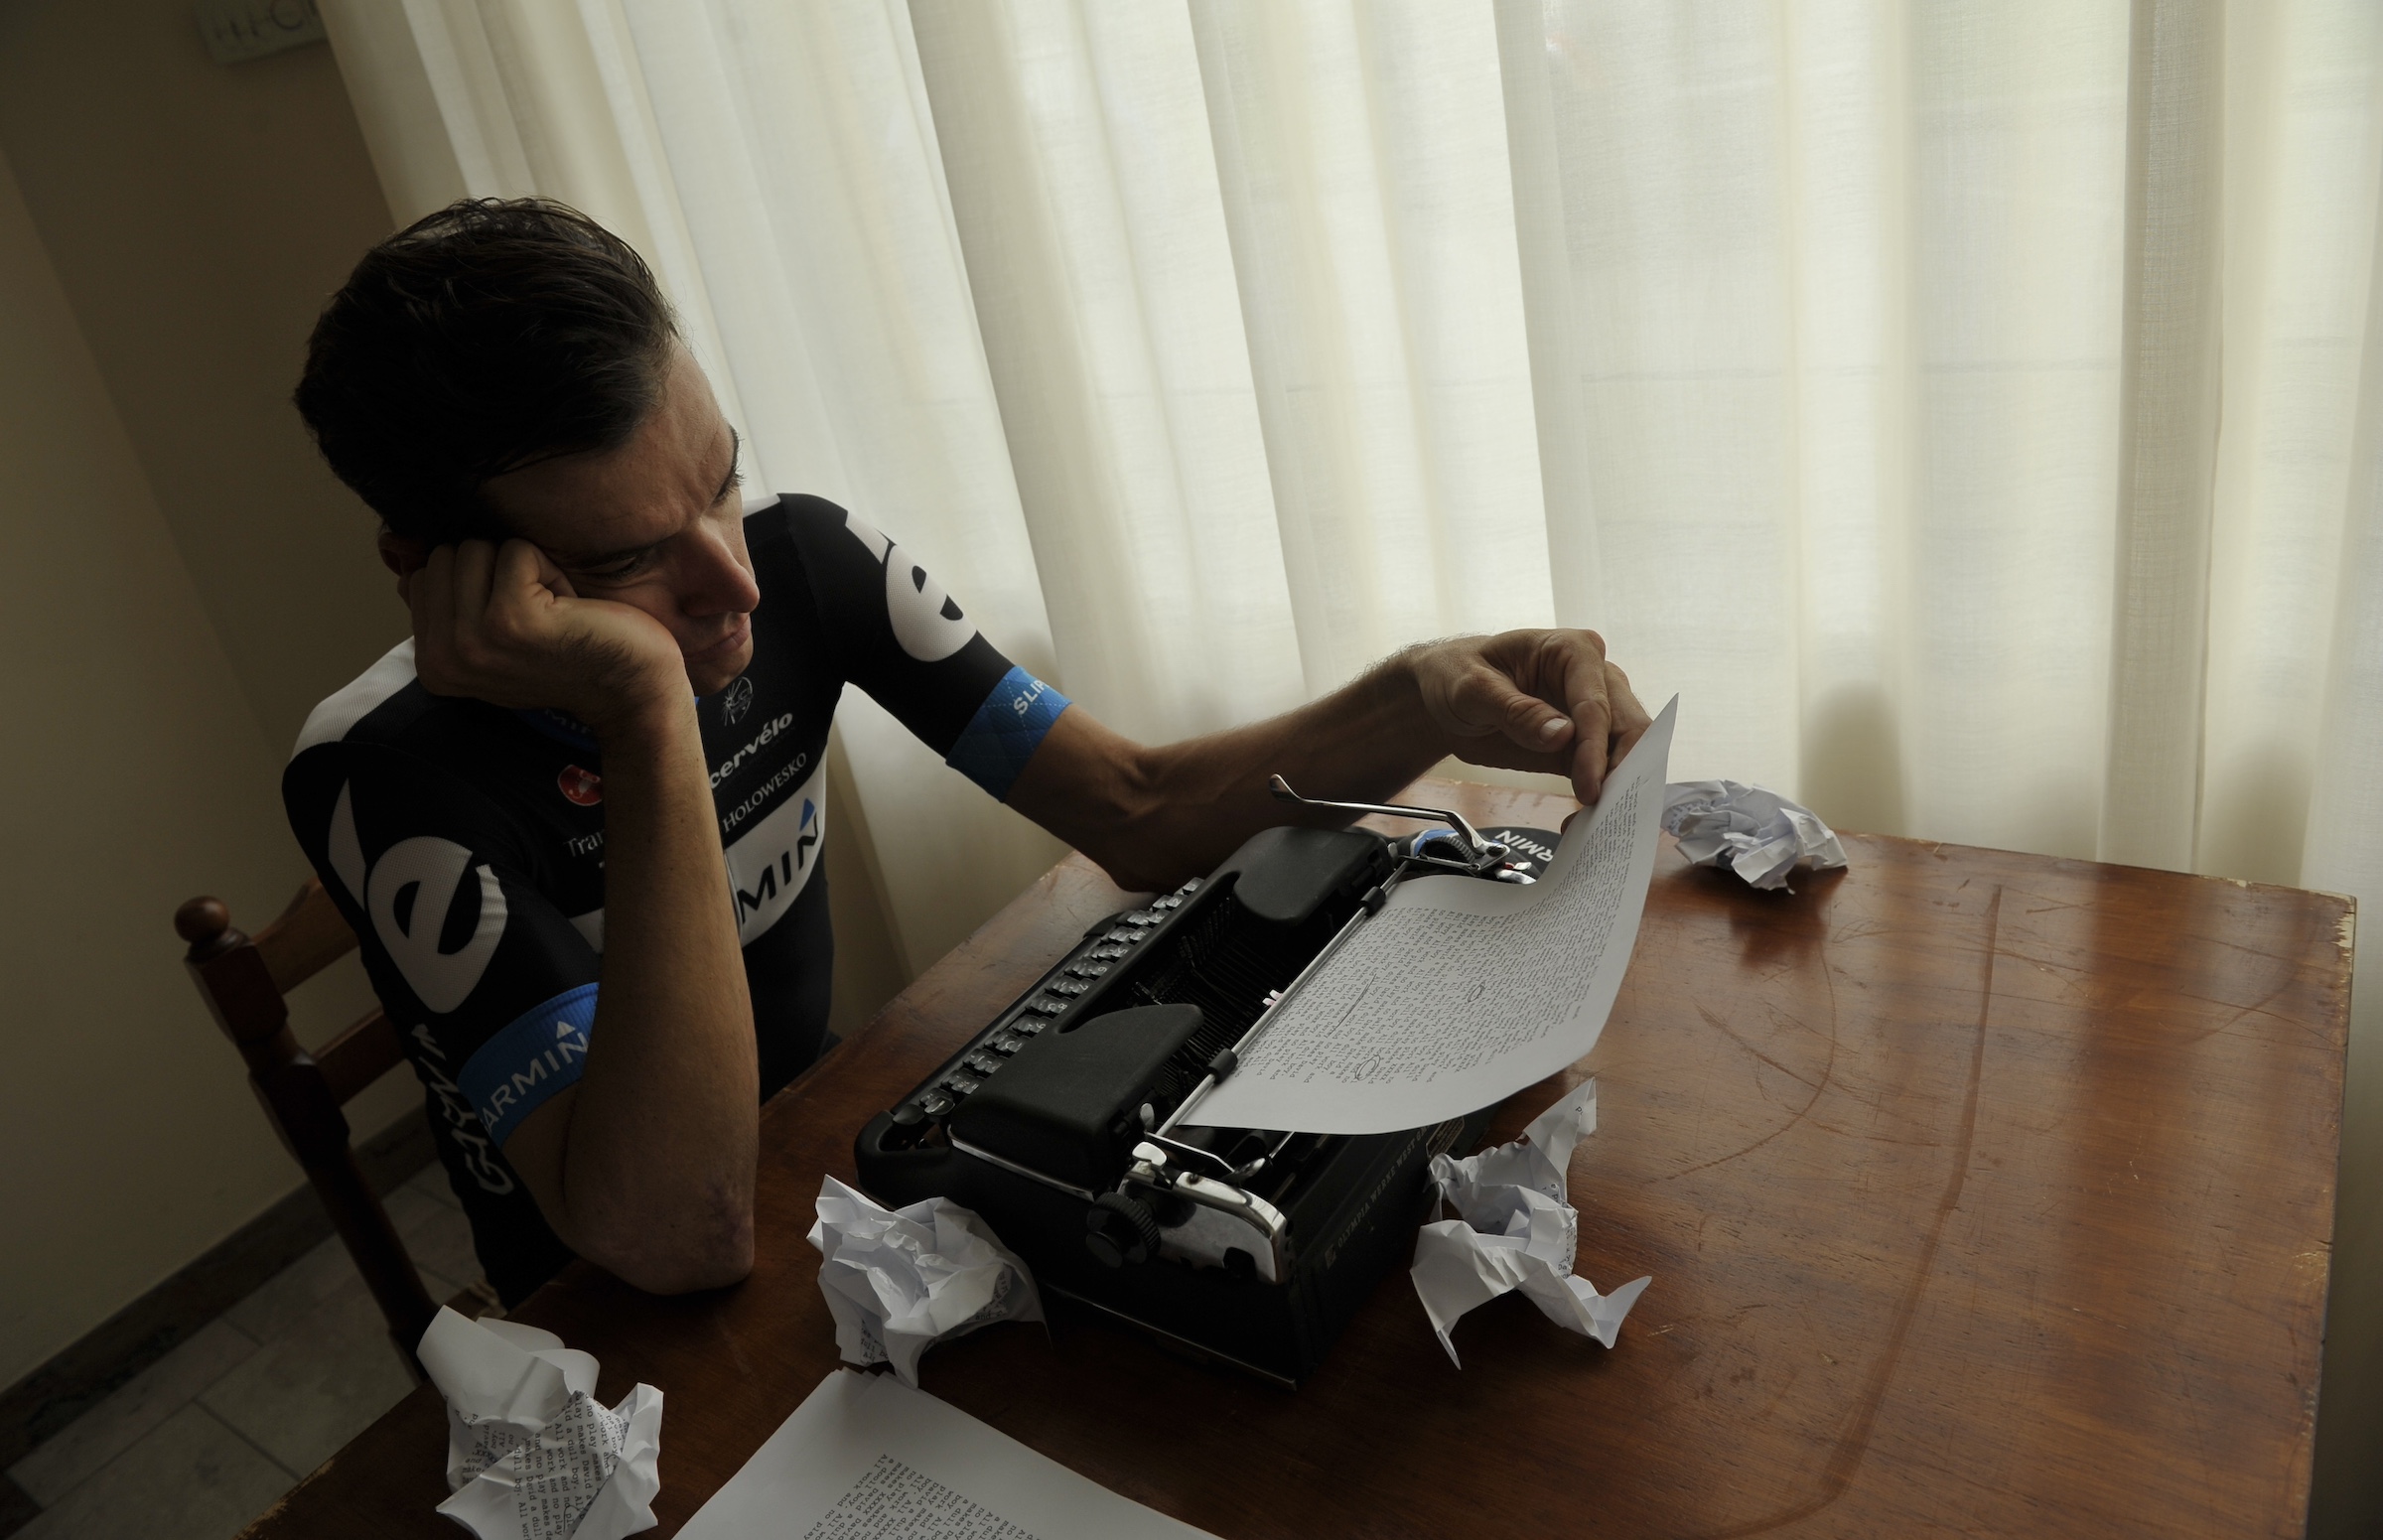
[1759, 835]
[1516, 1231]
[530, 1454]
[900, 1280]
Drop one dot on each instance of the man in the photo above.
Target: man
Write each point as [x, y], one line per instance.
[618, 679]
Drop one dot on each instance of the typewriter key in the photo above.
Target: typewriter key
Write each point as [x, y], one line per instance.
[982, 1062]
[1066, 987]
[935, 1104]
[960, 1084]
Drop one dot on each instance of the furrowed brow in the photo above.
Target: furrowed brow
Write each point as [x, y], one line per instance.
[728, 483]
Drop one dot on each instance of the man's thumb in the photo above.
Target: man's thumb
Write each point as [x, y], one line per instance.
[1531, 721]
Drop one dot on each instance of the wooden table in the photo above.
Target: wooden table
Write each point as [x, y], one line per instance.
[1984, 1194]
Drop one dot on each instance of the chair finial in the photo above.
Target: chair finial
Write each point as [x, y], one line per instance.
[202, 919]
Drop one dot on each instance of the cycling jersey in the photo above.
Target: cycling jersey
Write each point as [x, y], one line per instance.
[464, 842]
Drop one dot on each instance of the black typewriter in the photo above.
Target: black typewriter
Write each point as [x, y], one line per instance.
[1064, 1123]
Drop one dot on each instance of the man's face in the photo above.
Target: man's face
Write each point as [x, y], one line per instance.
[656, 523]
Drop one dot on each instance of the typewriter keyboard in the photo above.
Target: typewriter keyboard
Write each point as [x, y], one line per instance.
[1092, 960]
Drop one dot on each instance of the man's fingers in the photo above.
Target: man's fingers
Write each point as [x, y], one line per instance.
[1497, 703]
[431, 597]
[1630, 720]
[475, 579]
[1592, 712]
[546, 575]
[520, 585]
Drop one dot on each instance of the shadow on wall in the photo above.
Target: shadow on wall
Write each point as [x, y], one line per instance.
[1852, 772]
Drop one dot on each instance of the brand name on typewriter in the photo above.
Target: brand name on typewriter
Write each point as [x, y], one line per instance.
[1441, 1137]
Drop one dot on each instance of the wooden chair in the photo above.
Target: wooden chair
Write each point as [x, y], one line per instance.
[245, 981]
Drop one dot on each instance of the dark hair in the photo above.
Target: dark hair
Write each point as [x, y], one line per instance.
[493, 335]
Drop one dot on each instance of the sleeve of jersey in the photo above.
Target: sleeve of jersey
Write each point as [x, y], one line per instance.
[901, 637]
[492, 984]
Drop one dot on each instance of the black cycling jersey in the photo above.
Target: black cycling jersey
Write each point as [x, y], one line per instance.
[464, 842]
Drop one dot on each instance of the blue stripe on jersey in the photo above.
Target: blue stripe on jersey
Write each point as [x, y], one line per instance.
[510, 1075]
[1006, 730]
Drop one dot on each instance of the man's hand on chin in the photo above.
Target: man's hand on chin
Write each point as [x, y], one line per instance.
[501, 624]
[1531, 700]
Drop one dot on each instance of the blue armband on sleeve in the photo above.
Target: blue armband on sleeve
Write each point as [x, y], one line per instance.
[1006, 730]
[510, 1075]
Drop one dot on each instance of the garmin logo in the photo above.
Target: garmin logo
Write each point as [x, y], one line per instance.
[1514, 839]
[463, 1123]
[520, 1089]
[771, 860]
[736, 762]
[780, 876]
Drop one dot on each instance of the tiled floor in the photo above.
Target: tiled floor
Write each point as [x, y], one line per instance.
[211, 1435]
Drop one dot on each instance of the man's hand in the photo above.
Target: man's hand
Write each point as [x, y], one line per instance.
[1531, 700]
[1535, 700]
[501, 624]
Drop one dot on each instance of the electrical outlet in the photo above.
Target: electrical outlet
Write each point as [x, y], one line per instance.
[239, 29]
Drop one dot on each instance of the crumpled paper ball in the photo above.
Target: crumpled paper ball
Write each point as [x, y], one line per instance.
[530, 1454]
[900, 1280]
[1759, 835]
[1516, 1232]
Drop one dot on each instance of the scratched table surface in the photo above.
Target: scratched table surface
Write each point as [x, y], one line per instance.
[1984, 1194]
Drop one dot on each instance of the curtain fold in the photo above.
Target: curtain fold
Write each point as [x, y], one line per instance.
[1967, 408]
[2168, 367]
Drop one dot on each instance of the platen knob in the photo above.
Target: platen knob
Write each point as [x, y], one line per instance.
[1120, 1229]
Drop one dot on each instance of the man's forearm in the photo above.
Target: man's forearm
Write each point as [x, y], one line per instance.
[658, 1170]
[1154, 816]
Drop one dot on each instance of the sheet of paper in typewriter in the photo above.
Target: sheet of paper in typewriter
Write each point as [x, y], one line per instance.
[1461, 992]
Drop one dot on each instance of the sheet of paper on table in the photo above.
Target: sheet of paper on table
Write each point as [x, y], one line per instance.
[1461, 992]
[867, 1457]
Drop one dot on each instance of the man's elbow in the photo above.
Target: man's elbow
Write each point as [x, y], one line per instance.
[1131, 828]
[690, 1272]
[681, 1258]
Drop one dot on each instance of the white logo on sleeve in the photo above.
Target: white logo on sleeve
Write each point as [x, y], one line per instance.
[412, 886]
[927, 621]
[865, 532]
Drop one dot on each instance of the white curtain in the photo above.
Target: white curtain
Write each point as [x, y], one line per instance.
[1973, 410]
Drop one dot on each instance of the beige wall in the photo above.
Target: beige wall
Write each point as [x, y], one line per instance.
[197, 216]
[179, 581]
[135, 776]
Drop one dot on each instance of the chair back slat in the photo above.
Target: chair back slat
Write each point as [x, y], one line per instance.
[361, 1056]
[242, 982]
[307, 937]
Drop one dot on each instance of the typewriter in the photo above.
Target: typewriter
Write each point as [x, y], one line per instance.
[1069, 1122]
